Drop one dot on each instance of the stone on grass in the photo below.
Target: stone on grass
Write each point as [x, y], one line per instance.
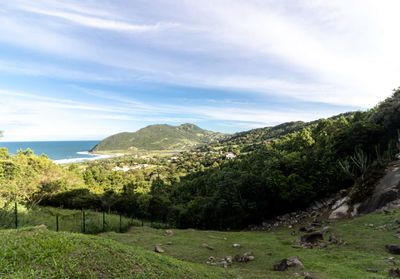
[236, 245]
[169, 233]
[394, 272]
[281, 265]
[313, 237]
[205, 245]
[393, 249]
[295, 263]
[158, 249]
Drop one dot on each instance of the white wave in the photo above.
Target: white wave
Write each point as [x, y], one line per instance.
[80, 160]
[85, 153]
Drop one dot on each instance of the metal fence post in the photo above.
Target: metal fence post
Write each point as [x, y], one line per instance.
[57, 223]
[16, 215]
[104, 221]
[83, 221]
[120, 223]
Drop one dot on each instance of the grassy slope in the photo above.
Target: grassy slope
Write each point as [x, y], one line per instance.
[364, 248]
[39, 253]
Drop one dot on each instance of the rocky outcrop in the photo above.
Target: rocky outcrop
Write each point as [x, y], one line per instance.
[387, 191]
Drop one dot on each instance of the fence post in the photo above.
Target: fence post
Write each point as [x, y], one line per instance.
[16, 215]
[120, 223]
[83, 221]
[57, 222]
[104, 221]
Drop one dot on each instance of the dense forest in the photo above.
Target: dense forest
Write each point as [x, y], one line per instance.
[245, 179]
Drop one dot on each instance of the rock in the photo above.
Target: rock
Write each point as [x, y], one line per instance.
[313, 237]
[291, 262]
[372, 270]
[341, 212]
[295, 263]
[391, 260]
[205, 245]
[236, 245]
[158, 249]
[340, 202]
[385, 192]
[394, 272]
[246, 257]
[229, 260]
[169, 233]
[224, 263]
[393, 249]
[41, 227]
[281, 266]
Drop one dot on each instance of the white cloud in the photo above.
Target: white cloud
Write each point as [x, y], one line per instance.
[337, 52]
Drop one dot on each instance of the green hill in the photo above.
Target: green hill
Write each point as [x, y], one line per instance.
[159, 137]
[39, 253]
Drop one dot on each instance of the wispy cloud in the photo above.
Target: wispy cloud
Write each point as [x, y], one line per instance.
[126, 61]
[101, 23]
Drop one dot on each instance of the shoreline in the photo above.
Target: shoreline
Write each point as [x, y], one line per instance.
[95, 157]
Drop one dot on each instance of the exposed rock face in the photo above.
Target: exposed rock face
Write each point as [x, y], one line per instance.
[386, 191]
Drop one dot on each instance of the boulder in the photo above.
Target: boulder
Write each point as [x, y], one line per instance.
[294, 262]
[158, 249]
[313, 237]
[246, 257]
[285, 264]
[341, 212]
[393, 249]
[236, 245]
[169, 233]
[394, 272]
[386, 191]
[205, 245]
[281, 265]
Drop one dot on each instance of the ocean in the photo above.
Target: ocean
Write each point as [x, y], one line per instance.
[58, 151]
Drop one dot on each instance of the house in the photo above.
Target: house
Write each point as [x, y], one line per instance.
[230, 155]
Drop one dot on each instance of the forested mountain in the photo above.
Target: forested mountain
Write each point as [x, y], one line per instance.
[159, 137]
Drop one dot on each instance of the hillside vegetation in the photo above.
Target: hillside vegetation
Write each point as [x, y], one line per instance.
[233, 183]
[158, 137]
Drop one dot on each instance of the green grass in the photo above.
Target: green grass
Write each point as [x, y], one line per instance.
[364, 248]
[39, 253]
[69, 220]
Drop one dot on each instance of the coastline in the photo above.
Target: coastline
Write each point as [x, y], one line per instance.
[95, 157]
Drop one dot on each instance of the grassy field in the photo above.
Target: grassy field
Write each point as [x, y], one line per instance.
[41, 253]
[68, 220]
[364, 237]
[32, 253]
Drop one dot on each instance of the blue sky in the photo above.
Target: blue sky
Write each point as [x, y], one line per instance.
[86, 69]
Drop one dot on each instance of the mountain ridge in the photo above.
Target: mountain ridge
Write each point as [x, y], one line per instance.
[159, 137]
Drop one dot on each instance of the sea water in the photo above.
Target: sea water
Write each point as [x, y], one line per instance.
[59, 151]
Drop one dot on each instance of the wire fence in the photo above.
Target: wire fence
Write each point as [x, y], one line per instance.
[83, 221]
